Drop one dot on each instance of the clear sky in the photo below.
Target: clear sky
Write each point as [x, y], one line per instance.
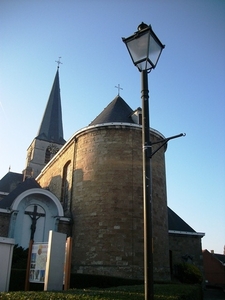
[187, 88]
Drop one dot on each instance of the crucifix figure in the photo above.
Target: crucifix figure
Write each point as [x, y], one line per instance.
[119, 88]
[34, 215]
[58, 62]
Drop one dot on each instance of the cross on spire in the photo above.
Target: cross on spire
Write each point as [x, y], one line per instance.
[58, 62]
[119, 88]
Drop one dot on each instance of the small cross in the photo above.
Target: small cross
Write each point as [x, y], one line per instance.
[58, 61]
[119, 88]
[34, 215]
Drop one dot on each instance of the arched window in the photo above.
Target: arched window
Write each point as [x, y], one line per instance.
[50, 152]
[65, 196]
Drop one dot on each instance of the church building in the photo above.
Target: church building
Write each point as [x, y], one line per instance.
[90, 187]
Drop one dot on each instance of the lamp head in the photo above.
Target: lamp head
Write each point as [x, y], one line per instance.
[144, 47]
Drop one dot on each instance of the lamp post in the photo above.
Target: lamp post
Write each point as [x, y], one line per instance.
[145, 49]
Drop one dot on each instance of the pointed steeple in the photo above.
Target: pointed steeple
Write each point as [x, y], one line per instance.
[50, 135]
[51, 128]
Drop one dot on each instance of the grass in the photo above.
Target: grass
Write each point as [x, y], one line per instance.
[161, 292]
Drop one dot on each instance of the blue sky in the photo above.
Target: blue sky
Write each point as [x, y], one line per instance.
[187, 88]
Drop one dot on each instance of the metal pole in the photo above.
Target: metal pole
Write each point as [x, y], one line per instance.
[147, 190]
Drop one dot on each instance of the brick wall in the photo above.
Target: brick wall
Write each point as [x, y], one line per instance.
[107, 202]
[214, 269]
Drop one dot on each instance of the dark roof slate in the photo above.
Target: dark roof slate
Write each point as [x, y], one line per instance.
[176, 223]
[51, 128]
[220, 257]
[117, 111]
[29, 183]
[10, 181]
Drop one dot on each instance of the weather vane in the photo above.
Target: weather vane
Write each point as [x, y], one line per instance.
[58, 61]
[119, 88]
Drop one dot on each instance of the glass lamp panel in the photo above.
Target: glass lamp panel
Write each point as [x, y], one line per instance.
[154, 51]
[138, 48]
[144, 65]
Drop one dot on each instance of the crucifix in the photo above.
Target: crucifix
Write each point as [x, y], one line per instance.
[58, 62]
[119, 88]
[34, 215]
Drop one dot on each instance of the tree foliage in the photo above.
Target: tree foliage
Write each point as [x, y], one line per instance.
[188, 273]
[19, 259]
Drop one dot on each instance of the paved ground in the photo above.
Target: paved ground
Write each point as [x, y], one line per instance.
[214, 294]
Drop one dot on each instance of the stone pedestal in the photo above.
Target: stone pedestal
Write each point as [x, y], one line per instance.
[55, 261]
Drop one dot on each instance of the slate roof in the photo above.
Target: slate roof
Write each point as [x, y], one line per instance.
[216, 256]
[9, 182]
[51, 128]
[220, 257]
[175, 223]
[117, 111]
[29, 183]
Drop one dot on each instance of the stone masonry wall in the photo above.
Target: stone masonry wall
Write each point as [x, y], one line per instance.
[183, 247]
[214, 270]
[108, 205]
[51, 176]
[107, 201]
[160, 214]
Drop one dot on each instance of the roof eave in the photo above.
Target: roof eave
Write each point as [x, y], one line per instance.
[201, 234]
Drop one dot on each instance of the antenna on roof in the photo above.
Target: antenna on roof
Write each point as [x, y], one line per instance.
[119, 88]
[58, 62]
[9, 168]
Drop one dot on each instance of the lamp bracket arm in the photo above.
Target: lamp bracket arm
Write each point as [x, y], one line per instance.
[164, 142]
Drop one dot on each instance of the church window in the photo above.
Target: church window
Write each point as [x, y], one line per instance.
[65, 186]
[47, 155]
[29, 155]
[140, 119]
[50, 152]
[137, 116]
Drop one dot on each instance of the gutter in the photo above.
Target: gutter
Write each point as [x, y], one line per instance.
[201, 234]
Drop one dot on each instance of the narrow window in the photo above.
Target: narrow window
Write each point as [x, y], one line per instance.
[47, 155]
[65, 186]
[140, 119]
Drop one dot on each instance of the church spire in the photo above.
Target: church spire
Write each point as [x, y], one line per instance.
[51, 128]
[50, 135]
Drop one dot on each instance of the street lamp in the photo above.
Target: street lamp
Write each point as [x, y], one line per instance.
[145, 49]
